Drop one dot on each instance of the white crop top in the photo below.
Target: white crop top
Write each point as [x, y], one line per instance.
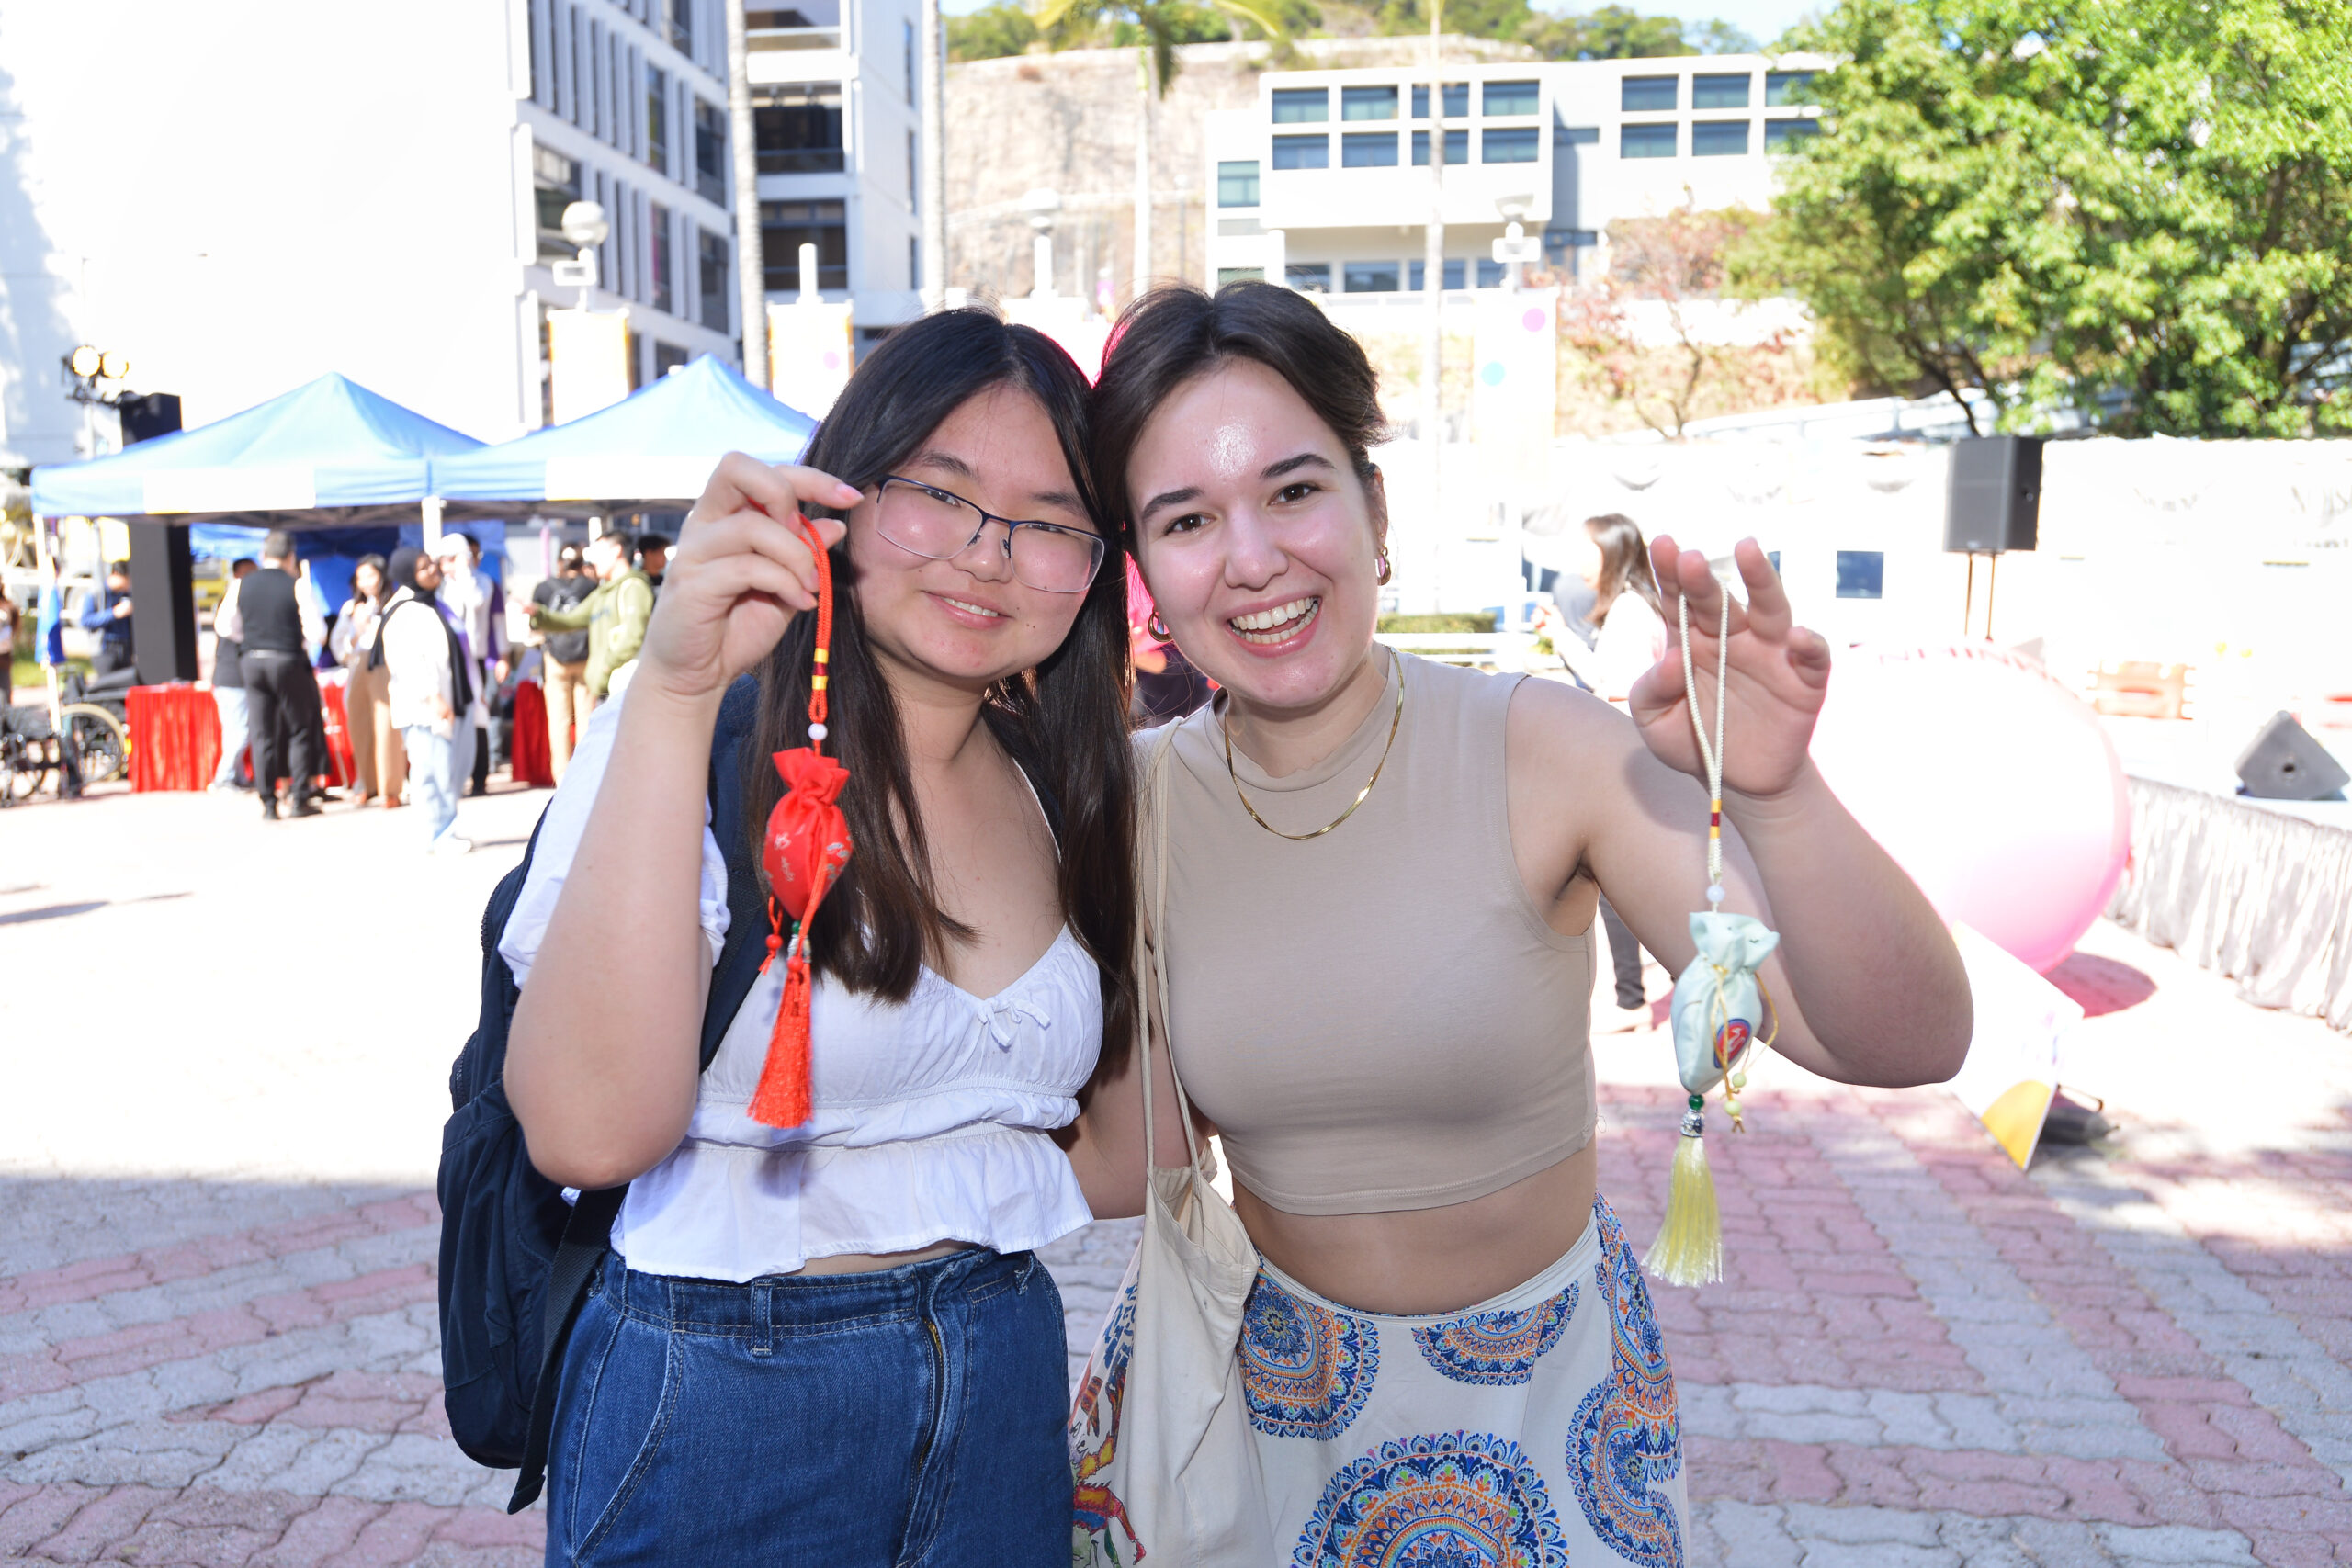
[931, 1115]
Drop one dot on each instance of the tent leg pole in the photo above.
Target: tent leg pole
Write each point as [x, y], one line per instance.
[429, 511]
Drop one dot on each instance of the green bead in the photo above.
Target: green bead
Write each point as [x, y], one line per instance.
[1698, 1102]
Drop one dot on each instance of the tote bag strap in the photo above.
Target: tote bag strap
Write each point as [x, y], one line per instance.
[1151, 959]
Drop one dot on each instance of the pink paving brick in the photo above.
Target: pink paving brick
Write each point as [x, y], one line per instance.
[107, 1516]
[205, 1528]
[31, 1514]
[330, 1527]
[392, 1538]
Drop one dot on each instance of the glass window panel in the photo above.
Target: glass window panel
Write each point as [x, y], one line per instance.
[1368, 149]
[785, 226]
[1647, 141]
[1372, 277]
[1650, 94]
[1575, 135]
[1237, 182]
[1302, 152]
[1719, 139]
[797, 129]
[1490, 274]
[1723, 92]
[657, 118]
[712, 279]
[1302, 105]
[1226, 275]
[1456, 104]
[1780, 135]
[1455, 270]
[1784, 88]
[1520, 144]
[1861, 574]
[1509, 97]
[1313, 277]
[1457, 148]
[1367, 103]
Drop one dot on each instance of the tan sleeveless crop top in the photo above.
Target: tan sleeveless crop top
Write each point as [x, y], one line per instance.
[1380, 1018]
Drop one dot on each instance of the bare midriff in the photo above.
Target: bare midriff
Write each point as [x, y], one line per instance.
[875, 1262]
[1412, 1261]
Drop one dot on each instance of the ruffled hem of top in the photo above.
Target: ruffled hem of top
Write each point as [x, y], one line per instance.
[729, 1212]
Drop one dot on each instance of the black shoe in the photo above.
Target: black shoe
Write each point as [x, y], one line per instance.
[269, 808]
[305, 806]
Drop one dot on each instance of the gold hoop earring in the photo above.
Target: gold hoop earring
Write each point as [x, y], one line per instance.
[1380, 571]
[1158, 627]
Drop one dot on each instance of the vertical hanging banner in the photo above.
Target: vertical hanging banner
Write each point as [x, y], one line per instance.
[2012, 1066]
[587, 361]
[810, 354]
[1514, 383]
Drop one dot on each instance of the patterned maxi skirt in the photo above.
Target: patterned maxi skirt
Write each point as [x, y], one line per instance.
[1535, 1430]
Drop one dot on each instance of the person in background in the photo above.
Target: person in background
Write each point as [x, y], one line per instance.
[229, 680]
[377, 758]
[9, 615]
[428, 691]
[613, 615]
[652, 558]
[563, 657]
[110, 617]
[273, 622]
[475, 602]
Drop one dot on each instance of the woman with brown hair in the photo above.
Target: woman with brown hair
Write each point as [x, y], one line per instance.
[378, 759]
[1383, 873]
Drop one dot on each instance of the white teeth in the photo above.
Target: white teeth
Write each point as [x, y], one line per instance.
[1266, 620]
[1292, 618]
[975, 609]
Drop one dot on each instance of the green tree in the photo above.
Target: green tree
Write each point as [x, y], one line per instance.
[2083, 203]
[991, 33]
[1719, 36]
[1468, 19]
[1613, 32]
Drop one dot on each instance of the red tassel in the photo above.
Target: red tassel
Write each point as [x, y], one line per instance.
[783, 1096]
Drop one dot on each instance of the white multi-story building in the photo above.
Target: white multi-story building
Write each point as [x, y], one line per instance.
[1337, 161]
[834, 85]
[241, 196]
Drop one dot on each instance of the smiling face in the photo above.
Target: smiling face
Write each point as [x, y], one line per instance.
[965, 621]
[1257, 537]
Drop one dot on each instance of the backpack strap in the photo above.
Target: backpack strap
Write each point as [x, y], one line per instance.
[588, 1234]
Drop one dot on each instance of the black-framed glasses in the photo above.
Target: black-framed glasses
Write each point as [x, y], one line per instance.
[939, 524]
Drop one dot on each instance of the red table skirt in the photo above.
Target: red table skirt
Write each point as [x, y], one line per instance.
[532, 763]
[340, 768]
[175, 736]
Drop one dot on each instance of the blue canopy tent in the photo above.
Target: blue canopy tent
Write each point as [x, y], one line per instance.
[656, 444]
[330, 454]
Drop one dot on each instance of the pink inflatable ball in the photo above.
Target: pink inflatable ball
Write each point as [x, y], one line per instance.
[1992, 784]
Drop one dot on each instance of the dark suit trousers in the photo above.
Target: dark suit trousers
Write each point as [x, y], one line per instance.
[282, 706]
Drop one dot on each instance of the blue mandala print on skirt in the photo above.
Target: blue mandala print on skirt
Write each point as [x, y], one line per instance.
[1627, 1436]
[1460, 1500]
[1497, 1348]
[1306, 1370]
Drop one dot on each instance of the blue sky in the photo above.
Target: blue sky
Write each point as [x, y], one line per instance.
[1761, 19]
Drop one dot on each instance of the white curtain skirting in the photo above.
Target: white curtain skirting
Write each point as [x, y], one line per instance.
[2263, 897]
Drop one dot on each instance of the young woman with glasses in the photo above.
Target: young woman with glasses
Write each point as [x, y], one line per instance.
[1381, 882]
[833, 1343]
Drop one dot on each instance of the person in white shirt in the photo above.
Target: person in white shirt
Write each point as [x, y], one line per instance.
[840, 1330]
[477, 605]
[426, 690]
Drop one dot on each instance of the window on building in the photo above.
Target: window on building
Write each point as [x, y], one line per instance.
[1650, 94]
[657, 226]
[1368, 149]
[797, 128]
[1457, 148]
[1519, 144]
[1302, 152]
[712, 279]
[1575, 135]
[914, 262]
[667, 356]
[1509, 97]
[554, 181]
[907, 44]
[1719, 139]
[710, 151]
[1237, 182]
[575, 107]
[542, 89]
[1719, 92]
[1310, 278]
[1782, 135]
[1302, 105]
[657, 117]
[1490, 274]
[785, 226]
[1784, 89]
[1371, 277]
[1451, 276]
[914, 184]
[1648, 141]
[1367, 103]
[1861, 574]
[1226, 275]
[679, 22]
[1455, 103]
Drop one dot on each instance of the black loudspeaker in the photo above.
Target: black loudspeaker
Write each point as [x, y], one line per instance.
[148, 415]
[2285, 764]
[162, 602]
[1995, 503]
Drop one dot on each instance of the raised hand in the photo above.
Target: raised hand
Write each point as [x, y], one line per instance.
[742, 569]
[1778, 673]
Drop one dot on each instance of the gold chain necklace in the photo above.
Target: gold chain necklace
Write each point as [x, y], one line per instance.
[1361, 794]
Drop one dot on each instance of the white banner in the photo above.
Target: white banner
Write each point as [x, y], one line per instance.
[587, 361]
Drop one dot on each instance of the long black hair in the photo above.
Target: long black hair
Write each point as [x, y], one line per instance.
[1065, 721]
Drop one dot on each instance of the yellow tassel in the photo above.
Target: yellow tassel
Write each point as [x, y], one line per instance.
[1690, 1246]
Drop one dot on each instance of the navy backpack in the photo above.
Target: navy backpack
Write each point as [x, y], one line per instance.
[516, 1258]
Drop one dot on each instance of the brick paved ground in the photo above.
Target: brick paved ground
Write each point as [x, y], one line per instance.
[225, 1045]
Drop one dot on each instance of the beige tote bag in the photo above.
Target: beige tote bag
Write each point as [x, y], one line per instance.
[1165, 1467]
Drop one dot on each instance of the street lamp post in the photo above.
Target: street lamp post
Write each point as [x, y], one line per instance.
[585, 226]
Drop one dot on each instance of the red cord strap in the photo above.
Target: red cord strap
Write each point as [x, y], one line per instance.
[806, 846]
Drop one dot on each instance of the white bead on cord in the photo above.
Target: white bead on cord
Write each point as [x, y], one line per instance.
[1712, 755]
[817, 732]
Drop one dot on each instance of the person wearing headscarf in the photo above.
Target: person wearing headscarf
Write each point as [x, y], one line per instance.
[428, 691]
[376, 751]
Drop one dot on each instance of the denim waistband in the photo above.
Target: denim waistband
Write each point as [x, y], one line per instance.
[784, 1304]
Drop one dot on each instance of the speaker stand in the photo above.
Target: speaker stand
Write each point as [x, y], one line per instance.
[1968, 609]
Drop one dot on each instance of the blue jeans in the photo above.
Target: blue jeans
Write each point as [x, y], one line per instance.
[432, 776]
[231, 702]
[909, 1416]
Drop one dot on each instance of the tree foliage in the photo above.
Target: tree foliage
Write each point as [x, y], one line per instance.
[2142, 208]
[990, 33]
